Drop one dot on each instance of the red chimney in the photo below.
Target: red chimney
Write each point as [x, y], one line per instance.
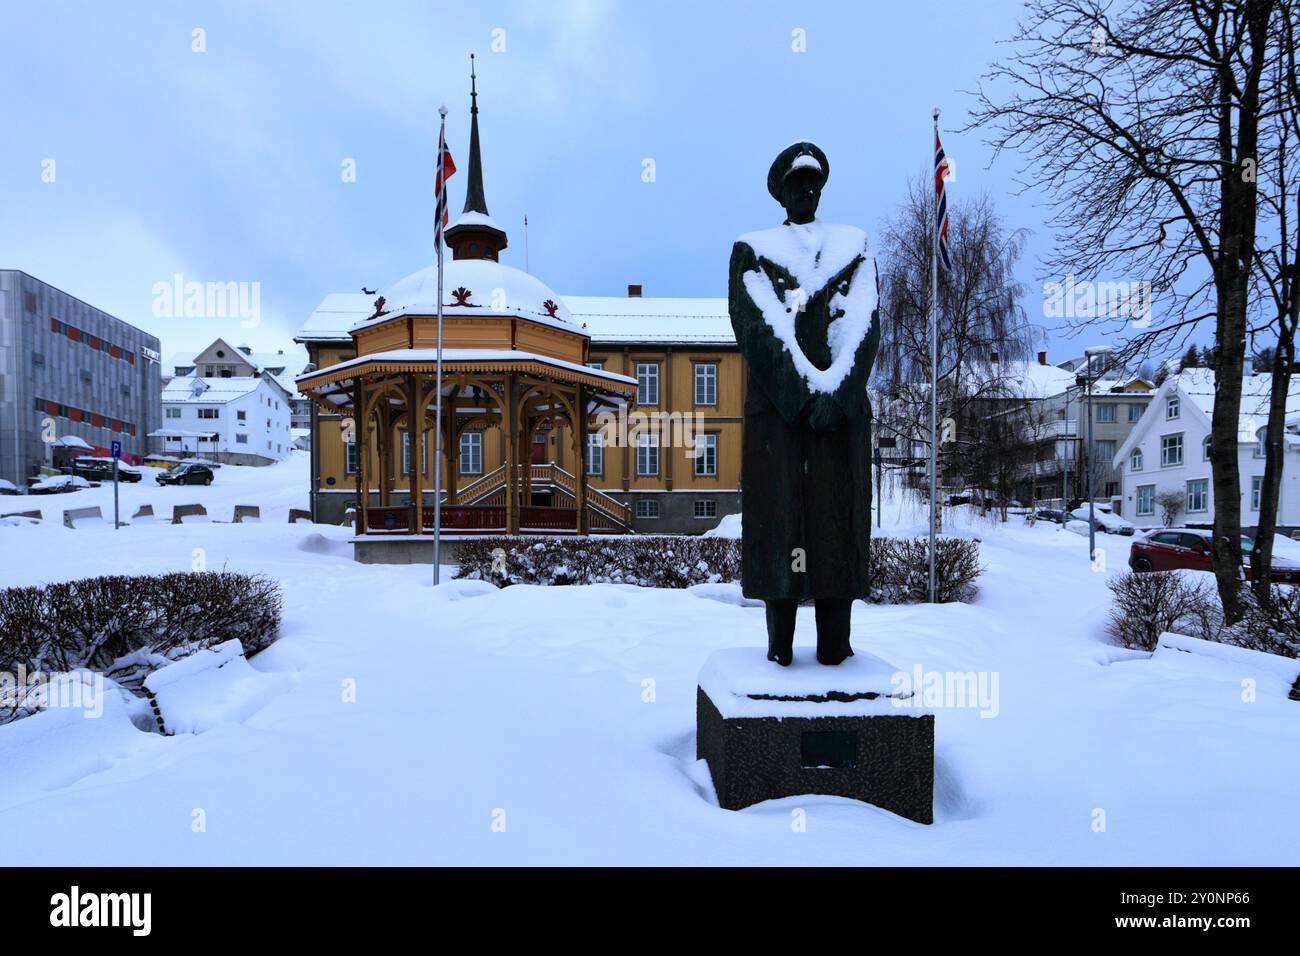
[1042, 358]
[634, 292]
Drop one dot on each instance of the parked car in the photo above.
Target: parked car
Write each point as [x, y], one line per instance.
[57, 484]
[1104, 520]
[1169, 549]
[1051, 514]
[101, 469]
[185, 474]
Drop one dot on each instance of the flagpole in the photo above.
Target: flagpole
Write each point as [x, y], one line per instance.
[437, 402]
[934, 370]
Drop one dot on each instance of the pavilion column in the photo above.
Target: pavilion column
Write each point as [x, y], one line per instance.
[512, 440]
[383, 438]
[580, 459]
[529, 433]
[415, 429]
[361, 435]
[451, 455]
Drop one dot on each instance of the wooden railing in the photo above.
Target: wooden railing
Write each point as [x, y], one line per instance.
[604, 512]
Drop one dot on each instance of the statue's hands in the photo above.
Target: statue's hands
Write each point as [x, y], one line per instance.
[825, 414]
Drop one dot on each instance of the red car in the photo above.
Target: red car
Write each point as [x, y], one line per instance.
[1173, 548]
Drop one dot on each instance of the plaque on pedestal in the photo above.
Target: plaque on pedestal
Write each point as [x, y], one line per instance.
[769, 732]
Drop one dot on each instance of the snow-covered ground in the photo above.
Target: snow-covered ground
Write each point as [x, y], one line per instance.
[462, 724]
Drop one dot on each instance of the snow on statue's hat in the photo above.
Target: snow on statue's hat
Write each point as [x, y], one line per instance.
[801, 155]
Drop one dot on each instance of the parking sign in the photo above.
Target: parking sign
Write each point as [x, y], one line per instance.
[117, 449]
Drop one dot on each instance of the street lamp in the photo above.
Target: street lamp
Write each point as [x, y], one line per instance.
[1090, 379]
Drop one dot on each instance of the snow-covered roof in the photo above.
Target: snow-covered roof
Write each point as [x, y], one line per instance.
[474, 355]
[337, 312]
[473, 218]
[1197, 385]
[1018, 379]
[660, 319]
[495, 289]
[183, 389]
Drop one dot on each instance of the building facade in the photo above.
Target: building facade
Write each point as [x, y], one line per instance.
[238, 420]
[1168, 452]
[70, 369]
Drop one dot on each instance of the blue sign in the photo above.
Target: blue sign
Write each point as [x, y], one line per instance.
[117, 449]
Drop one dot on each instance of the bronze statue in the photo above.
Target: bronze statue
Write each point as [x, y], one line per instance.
[802, 298]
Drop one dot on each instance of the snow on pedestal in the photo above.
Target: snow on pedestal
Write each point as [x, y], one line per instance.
[768, 731]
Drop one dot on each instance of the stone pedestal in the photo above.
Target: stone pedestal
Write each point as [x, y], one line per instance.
[768, 731]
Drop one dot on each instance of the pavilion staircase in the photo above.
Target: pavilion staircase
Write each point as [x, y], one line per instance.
[604, 513]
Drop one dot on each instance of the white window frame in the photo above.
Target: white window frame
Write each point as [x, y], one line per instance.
[706, 455]
[1173, 408]
[1164, 459]
[646, 508]
[647, 383]
[350, 458]
[471, 444]
[1261, 439]
[595, 453]
[1135, 461]
[1256, 491]
[1205, 492]
[1104, 409]
[1134, 412]
[706, 383]
[647, 454]
[706, 508]
[1151, 505]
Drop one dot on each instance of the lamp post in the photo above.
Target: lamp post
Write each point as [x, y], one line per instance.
[1089, 379]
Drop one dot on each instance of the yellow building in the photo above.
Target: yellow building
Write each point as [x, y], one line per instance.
[660, 379]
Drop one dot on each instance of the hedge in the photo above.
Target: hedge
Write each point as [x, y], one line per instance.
[127, 626]
[898, 567]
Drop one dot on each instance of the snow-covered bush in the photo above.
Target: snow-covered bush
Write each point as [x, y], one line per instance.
[898, 566]
[1152, 602]
[899, 569]
[127, 626]
[1271, 626]
[648, 560]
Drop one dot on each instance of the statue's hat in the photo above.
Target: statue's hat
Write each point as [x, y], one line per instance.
[800, 155]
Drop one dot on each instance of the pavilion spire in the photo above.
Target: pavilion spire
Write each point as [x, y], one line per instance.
[475, 235]
[475, 201]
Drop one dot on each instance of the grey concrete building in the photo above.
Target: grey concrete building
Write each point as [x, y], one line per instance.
[70, 369]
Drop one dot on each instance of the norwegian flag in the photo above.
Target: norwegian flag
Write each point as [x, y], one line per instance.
[445, 168]
[941, 172]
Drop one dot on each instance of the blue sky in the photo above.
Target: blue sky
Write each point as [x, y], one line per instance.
[225, 165]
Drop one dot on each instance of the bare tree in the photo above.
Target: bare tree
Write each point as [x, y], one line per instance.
[1170, 504]
[1142, 118]
[981, 321]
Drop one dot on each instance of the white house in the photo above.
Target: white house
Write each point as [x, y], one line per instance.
[1168, 450]
[240, 420]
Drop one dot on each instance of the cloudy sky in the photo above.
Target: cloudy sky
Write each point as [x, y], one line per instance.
[227, 164]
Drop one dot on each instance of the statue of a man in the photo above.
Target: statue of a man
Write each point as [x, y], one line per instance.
[803, 305]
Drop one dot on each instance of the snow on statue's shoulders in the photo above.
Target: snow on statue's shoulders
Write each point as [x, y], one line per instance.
[814, 252]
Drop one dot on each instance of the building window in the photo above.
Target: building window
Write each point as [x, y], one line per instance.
[1106, 412]
[1171, 450]
[1146, 499]
[706, 383]
[406, 453]
[1256, 487]
[241, 439]
[173, 412]
[1171, 408]
[1134, 413]
[1205, 448]
[706, 455]
[647, 383]
[471, 453]
[647, 454]
[241, 415]
[1198, 495]
[598, 366]
[595, 454]
[209, 413]
[1135, 460]
[1261, 442]
[350, 457]
[706, 509]
[1105, 449]
[647, 508]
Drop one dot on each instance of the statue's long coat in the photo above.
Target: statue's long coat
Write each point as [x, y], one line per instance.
[800, 488]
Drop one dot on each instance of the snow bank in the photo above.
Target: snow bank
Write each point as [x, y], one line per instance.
[728, 527]
[210, 687]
